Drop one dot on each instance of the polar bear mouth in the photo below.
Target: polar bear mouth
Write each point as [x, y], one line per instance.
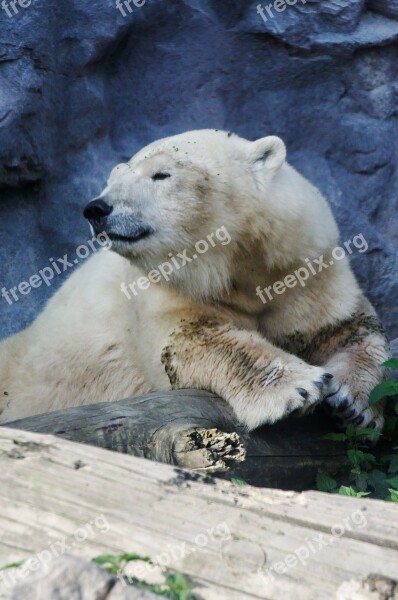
[130, 239]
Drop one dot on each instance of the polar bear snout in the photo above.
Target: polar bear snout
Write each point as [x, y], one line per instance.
[96, 212]
[120, 227]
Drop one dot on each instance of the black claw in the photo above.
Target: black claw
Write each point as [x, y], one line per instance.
[350, 413]
[302, 392]
[358, 420]
[333, 393]
[327, 376]
[372, 424]
[343, 405]
[319, 384]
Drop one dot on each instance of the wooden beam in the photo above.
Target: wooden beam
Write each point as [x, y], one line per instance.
[234, 542]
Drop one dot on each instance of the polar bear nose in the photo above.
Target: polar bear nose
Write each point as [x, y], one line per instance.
[96, 211]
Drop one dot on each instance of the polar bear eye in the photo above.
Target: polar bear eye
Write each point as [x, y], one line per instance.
[160, 176]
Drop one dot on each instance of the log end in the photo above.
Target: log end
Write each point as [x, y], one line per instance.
[208, 451]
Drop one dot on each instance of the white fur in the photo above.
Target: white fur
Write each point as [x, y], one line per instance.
[91, 344]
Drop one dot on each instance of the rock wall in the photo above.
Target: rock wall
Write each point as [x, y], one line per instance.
[82, 87]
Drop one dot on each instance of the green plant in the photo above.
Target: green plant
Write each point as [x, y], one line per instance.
[369, 472]
[114, 563]
[238, 481]
[386, 388]
[14, 565]
[175, 586]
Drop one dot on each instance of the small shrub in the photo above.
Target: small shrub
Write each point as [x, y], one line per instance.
[369, 472]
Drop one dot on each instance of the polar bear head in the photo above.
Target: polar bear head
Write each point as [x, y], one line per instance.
[180, 190]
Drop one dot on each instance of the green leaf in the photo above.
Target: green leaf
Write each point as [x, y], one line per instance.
[112, 563]
[393, 495]
[325, 483]
[361, 482]
[355, 455]
[351, 432]
[103, 559]
[384, 389]
[349, 491]
[377, 481]
[179, 586]
[335, 437]
[118, 558]
[238, 481]
[358, 458]
[176, 587]
[392, 363]
[376, 477]
[14, 565]
[366, 432]
[355, 458]
[393, 482]
[393, 466]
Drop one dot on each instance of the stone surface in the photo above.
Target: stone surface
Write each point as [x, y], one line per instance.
[82, 88]
[71, 578]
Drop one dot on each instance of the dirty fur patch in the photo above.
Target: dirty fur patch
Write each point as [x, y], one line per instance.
[195, 338]
[332, 338]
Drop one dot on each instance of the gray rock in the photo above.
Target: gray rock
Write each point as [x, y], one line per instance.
[72, 578]
[82, 88]
[389, 8]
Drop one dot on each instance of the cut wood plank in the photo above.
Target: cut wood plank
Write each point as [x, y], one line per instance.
[195, 429]
[234, 542]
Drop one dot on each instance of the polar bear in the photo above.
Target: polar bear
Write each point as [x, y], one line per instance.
[204, 225]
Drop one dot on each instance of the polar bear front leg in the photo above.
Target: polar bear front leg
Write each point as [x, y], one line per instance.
[353, 352]
[262, 383]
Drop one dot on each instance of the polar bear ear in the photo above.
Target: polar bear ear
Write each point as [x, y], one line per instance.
[268, 152]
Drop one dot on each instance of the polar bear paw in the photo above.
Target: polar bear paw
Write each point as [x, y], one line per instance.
[296, 389]
[349, 404]
[301, 388]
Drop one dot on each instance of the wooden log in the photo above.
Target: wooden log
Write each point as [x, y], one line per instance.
[233, 542]
[197, 430]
